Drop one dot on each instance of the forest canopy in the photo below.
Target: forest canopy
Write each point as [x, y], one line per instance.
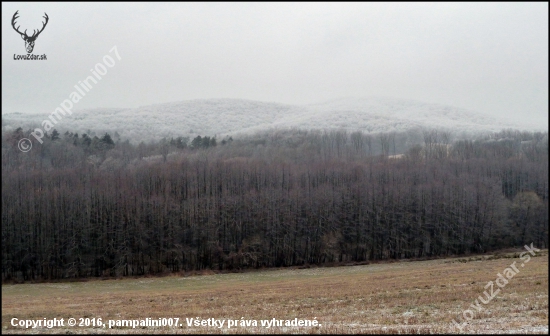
[83, 205]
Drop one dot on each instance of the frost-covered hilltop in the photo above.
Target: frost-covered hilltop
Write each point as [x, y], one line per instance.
[220, 117]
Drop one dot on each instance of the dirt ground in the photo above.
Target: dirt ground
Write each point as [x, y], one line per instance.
[434, 296]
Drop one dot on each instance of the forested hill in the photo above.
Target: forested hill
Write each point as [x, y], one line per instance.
[220, 117]
[81, 206]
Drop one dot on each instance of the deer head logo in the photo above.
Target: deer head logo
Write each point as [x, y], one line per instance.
[29, 40]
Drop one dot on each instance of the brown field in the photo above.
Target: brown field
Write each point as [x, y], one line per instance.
[399, 297]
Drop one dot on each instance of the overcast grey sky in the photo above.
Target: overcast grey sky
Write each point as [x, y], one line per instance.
[487, 57]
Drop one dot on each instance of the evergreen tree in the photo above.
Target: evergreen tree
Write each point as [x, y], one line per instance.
[55, 135]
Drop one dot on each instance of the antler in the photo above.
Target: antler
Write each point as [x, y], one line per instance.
[44, 26]
[15, 17]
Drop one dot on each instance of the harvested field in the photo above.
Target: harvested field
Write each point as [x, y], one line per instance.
[398, 297]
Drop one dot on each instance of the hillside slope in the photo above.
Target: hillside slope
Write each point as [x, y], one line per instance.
[220, 117]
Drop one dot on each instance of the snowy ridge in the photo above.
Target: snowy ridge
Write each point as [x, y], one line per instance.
[220, 117]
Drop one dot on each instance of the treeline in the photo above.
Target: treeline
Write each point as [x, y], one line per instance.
[76, 209]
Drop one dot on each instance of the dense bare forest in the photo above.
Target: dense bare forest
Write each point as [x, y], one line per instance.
[89, 206]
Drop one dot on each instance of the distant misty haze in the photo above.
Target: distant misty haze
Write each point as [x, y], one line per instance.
[489, 58]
